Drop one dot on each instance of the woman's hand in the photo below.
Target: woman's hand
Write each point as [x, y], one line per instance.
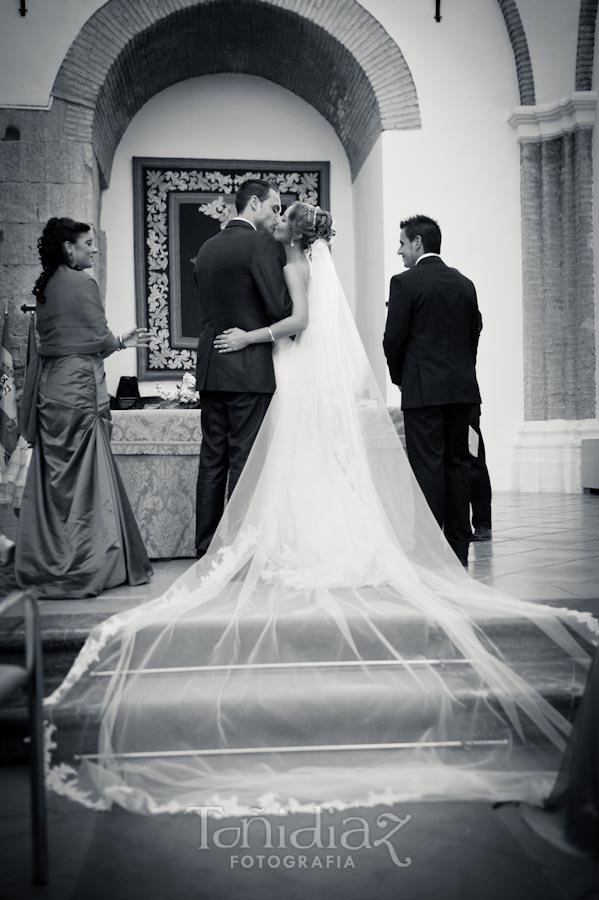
[135, 337]
[231, 340]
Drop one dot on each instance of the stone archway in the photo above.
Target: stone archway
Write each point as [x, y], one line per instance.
[586, 45]
[334, 55]
[517, 35]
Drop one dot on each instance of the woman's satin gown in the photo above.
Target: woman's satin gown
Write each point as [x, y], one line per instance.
[77, 533]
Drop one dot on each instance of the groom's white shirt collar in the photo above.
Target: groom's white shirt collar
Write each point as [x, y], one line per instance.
[424, 255]
[241, 219]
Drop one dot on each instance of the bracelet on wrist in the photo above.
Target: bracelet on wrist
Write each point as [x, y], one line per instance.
[122, 344]
[272, 337]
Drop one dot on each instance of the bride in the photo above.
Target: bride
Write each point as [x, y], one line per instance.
[329, 649]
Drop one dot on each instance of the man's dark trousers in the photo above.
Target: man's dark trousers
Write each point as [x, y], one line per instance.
[230, 422]
[480, 484]
[437, 445]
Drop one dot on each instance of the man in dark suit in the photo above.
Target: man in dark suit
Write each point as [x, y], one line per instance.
[239, 277]
[430, 342]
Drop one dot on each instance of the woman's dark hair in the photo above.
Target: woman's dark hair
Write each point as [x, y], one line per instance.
[51, 249]
[310, 223]
[252, 188]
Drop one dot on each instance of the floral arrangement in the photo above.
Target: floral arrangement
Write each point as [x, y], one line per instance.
[184, 394]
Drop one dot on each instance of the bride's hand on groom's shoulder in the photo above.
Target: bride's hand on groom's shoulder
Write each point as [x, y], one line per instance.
[231, 340]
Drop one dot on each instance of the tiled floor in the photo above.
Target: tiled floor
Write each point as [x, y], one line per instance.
[545, 547]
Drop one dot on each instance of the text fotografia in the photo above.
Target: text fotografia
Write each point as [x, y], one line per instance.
[318, 861]
[255, 832]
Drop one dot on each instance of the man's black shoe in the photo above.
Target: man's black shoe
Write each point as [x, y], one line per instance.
[482, 534]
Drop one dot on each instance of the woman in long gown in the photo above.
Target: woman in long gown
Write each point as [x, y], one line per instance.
[329, 648]
[77, 534]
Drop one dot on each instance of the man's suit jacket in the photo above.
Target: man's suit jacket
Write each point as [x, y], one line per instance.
[431, 336]
[239, 278]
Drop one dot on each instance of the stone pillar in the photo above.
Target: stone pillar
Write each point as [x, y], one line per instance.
[560, 384]
[49, 169]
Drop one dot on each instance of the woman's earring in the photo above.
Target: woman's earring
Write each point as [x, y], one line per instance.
[292, 242]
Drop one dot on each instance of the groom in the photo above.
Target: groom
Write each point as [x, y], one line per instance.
[239, 278]
[430, 342]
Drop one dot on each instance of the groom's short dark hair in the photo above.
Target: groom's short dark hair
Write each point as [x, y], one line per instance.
[428, 230]
[252, 188]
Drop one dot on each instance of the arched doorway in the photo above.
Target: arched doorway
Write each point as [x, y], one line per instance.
[335, 56]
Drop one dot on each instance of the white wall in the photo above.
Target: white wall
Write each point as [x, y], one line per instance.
[551, 28]
[216, 117]
[371, 288]
[32, 47]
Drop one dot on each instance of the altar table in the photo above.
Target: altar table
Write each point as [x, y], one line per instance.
[157, 452]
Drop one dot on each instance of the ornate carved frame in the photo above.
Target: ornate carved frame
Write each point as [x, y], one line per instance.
[159, 185]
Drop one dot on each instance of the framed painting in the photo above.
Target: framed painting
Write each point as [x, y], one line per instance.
[179, 204]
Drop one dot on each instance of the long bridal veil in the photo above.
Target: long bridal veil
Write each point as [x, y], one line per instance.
[329, 649]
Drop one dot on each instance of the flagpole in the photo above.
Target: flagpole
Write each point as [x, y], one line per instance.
[9, 433]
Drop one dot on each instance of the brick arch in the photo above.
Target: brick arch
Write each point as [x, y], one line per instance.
[333, 54]
[586, 45]
[515, 28]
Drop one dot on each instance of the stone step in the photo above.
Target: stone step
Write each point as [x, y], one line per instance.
[304, 707]
[411, 633]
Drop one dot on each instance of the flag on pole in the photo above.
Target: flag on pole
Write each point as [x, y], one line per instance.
[9, 433]
[28, 411]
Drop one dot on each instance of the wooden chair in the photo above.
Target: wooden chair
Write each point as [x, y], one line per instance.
[30, 677]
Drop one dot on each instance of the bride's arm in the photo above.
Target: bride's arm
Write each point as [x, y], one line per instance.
[233, 339]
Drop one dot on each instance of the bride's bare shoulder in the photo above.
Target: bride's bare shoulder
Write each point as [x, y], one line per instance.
[298, 270]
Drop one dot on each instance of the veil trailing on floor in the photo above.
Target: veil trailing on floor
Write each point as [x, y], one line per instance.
[329, 649]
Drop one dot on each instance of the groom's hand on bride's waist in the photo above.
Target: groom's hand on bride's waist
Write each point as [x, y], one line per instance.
[231, 340]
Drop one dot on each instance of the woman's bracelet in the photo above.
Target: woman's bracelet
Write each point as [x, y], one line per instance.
[122, 344]
[272, 337]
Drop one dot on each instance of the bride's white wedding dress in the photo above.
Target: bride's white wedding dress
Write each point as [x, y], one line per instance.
[329, 649]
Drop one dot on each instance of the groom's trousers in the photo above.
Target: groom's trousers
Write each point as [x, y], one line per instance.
[437, 445]
[230, 422]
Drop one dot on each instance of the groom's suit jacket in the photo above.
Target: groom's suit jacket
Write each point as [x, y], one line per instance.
[240, 283]
[431, 336]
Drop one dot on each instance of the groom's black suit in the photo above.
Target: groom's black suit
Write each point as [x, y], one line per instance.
[239, 277]
[430, 342]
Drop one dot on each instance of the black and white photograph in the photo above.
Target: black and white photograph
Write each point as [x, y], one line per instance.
[299, 449]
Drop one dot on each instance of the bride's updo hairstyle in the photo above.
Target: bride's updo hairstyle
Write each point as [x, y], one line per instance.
[309, 223]
[51, 249]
